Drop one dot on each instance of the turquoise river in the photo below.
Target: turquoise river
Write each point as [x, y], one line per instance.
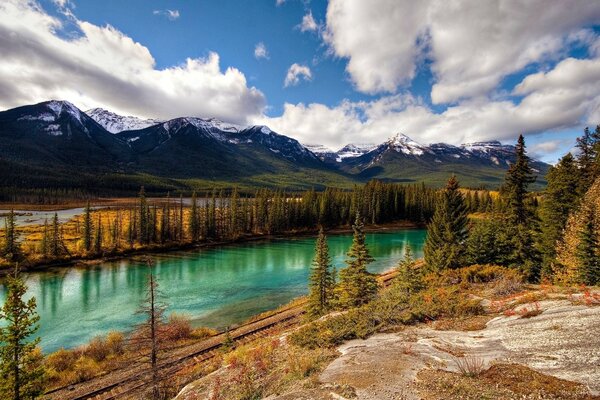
[216, 286]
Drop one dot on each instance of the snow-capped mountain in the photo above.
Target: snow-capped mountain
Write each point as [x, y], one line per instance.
[354, 150]
[115, 123]
[54, 143]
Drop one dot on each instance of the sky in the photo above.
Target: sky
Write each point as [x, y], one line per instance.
[323, 72]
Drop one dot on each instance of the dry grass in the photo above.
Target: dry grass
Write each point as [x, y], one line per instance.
[499, 382]
[470, 366]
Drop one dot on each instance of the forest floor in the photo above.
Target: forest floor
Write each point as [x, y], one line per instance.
[541, 344]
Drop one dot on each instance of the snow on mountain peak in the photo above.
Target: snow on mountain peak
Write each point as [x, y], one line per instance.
[115, 123]
[404, 144]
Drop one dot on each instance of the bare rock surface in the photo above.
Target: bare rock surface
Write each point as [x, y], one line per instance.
[563, 341]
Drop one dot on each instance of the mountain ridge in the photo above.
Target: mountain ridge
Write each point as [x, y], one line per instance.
[55, 142]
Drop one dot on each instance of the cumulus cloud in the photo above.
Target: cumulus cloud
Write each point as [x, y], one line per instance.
[565, 97]
[308, 23]
[104, 67]
[471, 45]
[171, 15]
[260, 51]
[295, 73]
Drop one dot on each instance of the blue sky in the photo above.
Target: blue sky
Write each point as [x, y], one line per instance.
[361, 72]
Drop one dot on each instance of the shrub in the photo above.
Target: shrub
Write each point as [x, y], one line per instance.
[98, 349]
[61, 360]
[85, 369]
[178, 327]
[115, 342]
[470, 366]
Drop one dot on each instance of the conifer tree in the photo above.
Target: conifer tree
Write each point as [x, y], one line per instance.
[409, 279]
[194, 219]
[560, 198]
[11, 248]
[321, 280]
[153, 310]
[57, 247]
[518, 178]
[587, 159]
[143, 218]
[98, 236]
[21, 371]
[447, 232]
[87, 228]
[357, 286]
[588, 252]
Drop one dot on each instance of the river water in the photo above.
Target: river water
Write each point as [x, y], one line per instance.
[216, 287]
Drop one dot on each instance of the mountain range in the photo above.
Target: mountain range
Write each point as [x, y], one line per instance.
[55, 145]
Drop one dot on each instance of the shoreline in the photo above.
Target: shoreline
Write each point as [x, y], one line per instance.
[167, 248]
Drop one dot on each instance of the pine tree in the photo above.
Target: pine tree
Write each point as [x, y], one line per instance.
[356, 286]
[143, 234]
[518, 178]
[21, 367]
[587, 145]
[409, 279]
[321, 280]
[447, 232]
[154, 311]
[57, 247]
[560, 198]
[98, 237]
[87, 228]
[194, 219]
[588, 253]
[11, 248]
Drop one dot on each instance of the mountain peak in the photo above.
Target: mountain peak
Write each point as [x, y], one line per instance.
[402, 143]
[115, 123]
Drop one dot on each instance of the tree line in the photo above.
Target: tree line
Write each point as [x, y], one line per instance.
[555, 239]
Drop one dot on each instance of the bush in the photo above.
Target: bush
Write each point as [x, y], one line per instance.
[98, 349]
[85, 369]
[61, 360]
[178, 327]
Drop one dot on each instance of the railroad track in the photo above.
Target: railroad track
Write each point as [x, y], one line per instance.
[128, 381]
[119, 383]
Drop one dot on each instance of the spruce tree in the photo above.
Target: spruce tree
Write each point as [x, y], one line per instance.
[21, 371]
[588, 253]
[409, 279]
[321, 280]
[87, 228]
[143, 234]
[518, 178]
[587, 144]
[57, 247]
[560, 198]
[98, 236]
[194, 222]
[11, 248]
[447, 231]
[357, 286]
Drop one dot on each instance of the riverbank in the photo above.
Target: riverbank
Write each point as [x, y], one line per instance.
[41, 265]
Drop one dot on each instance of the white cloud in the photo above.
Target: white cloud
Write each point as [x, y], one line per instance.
[471, 45]
[172, 15]
[566, 97]
[260, 51]
[308, 23]
[279, 2]
[104, 67]
[295, 73]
